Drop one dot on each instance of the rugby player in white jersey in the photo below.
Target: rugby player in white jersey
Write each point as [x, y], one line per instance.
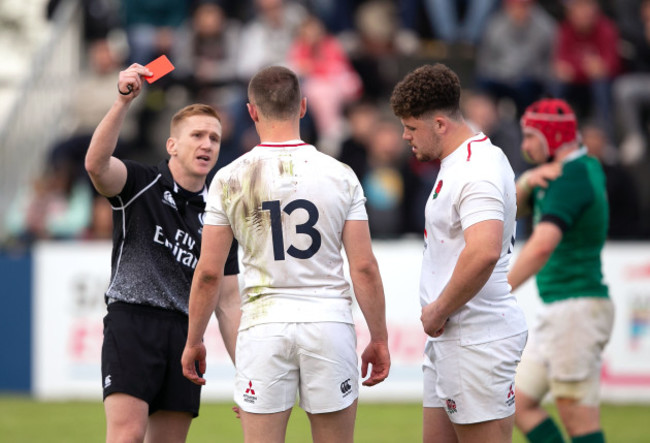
[476, 330]
[291, 208]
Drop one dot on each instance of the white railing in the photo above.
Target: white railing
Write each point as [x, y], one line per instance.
[33, 122]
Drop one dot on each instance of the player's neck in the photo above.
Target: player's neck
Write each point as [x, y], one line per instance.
[456, 138]
[278, 131]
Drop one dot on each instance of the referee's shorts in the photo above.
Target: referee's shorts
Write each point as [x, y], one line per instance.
[141, 357]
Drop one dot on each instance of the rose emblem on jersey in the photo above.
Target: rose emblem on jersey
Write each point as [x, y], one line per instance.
[437, 190]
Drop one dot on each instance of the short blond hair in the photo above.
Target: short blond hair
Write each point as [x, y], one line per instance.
[191, 110]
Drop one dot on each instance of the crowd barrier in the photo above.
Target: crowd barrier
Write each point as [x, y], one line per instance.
[67, 307]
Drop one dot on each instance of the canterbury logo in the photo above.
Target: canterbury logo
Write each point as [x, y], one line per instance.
[345, 386]
[169, 200]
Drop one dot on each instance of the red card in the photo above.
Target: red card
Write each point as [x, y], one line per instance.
[160, 67]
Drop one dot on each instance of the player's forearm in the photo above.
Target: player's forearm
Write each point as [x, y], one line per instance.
[472, 271]
[530, 261]
[524, 191]
[104, 140]
[204, 298]
[228, 313]
[535, 253]
[369, 292]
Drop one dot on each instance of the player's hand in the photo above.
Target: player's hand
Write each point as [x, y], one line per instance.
[376, 353]
[236, 410]
[191, 356]
[129, 84]
[542, 175]
[433, 321]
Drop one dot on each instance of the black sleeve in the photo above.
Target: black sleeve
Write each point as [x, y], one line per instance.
[232, 263]
[138, 176]
[557, 221]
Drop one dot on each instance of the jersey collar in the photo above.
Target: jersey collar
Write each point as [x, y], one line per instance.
[575, 154]
[169, 182]
[284, 144]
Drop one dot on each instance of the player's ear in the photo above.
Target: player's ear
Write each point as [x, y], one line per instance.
[440, 125]
[303, 107]
[252, 111]
[171, 146]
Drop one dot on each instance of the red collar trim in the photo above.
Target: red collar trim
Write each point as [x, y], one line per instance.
[469, 146]
[281, 145]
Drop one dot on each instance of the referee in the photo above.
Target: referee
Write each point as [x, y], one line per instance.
[157, 225]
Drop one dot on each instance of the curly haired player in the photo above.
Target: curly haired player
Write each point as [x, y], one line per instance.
[476, 330]
[568, 199]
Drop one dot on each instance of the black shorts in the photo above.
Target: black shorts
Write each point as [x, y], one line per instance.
[141, 356]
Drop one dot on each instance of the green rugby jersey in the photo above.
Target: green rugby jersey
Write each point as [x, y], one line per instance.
[577, 203]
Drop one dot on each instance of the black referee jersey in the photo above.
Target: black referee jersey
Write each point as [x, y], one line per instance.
[157, 239]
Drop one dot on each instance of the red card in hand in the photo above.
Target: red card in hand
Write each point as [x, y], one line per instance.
[160, 67]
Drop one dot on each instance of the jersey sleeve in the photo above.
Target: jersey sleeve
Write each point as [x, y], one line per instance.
[567, 196]
[137, 176]
[215, 213]
[479, 201]
[358, 207]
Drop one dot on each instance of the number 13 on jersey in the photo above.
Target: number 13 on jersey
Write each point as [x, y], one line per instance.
[306, 228]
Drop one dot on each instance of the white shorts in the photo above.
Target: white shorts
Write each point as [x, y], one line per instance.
[473, 383]
[276, 361]
[565, 350]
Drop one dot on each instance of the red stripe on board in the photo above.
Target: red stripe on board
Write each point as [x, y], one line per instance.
[469, 146]
[610, 378]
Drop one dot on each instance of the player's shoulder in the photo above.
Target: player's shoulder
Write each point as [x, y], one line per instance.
[483, 155]
[140, 174]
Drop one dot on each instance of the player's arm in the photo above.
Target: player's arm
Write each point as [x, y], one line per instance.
[204, 296]
[369, 292]
[475, 264]
[108, 173]
[535, 253]
[228, 313]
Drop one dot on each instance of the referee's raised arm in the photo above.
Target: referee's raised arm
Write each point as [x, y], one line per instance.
[108, 173]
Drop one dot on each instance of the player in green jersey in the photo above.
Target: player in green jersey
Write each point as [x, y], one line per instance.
[567, 196]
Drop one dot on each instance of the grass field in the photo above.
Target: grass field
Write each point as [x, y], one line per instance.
[23, 420]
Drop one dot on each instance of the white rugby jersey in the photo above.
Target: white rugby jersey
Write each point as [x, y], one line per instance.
[286, 204]
[475, 183]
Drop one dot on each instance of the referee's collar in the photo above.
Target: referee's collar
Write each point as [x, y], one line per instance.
[169, 181]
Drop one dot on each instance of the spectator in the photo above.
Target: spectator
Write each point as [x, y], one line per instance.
[361, 117]
[336, 15]
[631, 91]
[383, 180]
[586, 61]
[624, 207]
[377, 47]
[153, 26]
[56, 206]
[327, 78]
[514, 53]
[211, 55]
[101, 225]
[451, 26]
[267, 37]
[100, 17]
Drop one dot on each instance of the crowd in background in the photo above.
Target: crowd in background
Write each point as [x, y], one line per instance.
[349, 54]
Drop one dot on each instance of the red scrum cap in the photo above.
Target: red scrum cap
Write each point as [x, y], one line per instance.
[553, 121]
